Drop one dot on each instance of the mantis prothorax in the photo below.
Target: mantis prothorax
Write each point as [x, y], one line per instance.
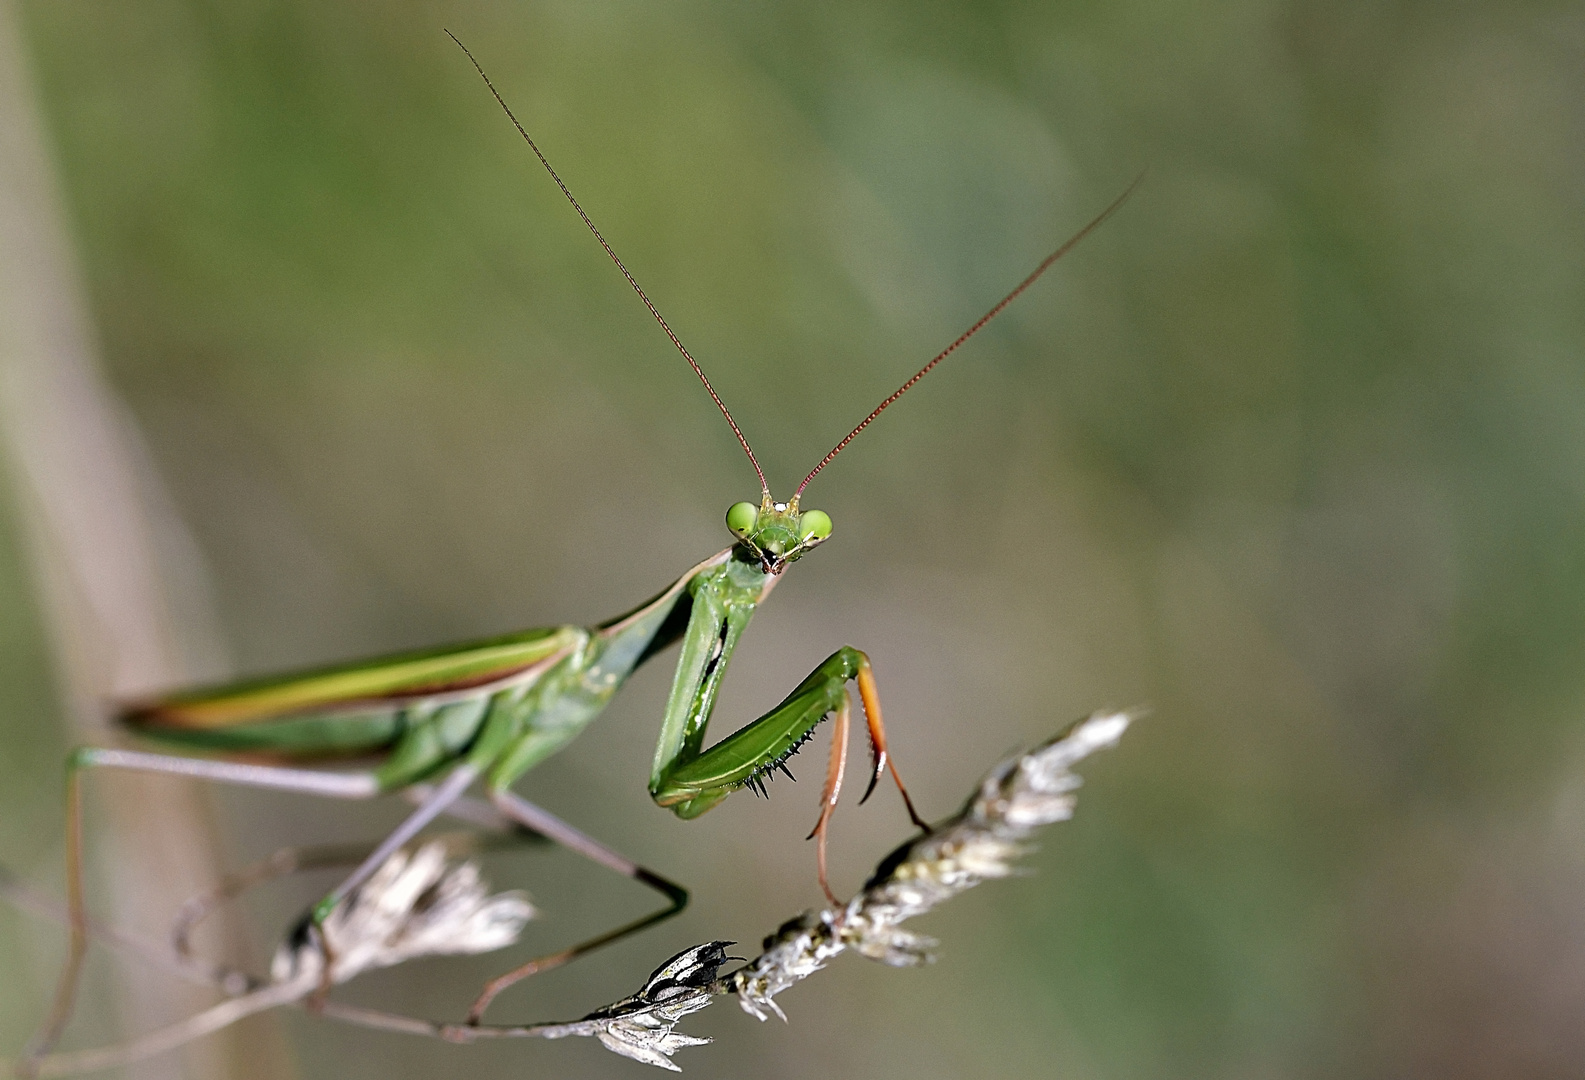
[492, 710]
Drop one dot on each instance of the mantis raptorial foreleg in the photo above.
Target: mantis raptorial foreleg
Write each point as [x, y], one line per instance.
[880, 762]
[692, 782]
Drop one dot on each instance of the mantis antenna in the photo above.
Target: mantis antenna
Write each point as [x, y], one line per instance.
[697, 370]
[1034, 276]
[1045, 265]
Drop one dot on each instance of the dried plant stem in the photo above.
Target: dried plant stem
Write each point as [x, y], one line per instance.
[981, 842]
[178, 1034]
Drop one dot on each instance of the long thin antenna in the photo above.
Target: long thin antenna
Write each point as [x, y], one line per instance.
[971, 331]
[697, 370]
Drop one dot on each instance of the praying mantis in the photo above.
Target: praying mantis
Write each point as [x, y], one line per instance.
[489, 711]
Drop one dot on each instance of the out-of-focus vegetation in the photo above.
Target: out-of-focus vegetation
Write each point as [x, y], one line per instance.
[1292, 450]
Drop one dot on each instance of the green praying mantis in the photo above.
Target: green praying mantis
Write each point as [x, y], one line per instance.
[489, 711]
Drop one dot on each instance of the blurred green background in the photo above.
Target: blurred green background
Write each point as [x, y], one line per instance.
[1292, 450]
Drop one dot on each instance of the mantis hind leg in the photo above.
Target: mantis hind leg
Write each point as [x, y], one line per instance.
[334, 785]
[551, 827]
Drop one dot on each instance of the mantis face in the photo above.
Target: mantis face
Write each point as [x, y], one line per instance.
[777, 533]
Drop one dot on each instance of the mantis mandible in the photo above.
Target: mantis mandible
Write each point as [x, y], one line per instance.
[491, 710]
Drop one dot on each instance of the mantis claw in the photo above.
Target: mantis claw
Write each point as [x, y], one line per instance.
[878, 766]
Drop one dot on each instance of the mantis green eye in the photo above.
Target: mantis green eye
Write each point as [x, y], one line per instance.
[741, 518]
[813, 525]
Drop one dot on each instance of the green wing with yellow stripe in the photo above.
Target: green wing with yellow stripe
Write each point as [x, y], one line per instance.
[347, 707]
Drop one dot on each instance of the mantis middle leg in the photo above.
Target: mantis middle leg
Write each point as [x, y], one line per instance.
[548, 825]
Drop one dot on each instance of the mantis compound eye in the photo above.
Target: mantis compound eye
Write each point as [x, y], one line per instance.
[813, 526]
[741, 518]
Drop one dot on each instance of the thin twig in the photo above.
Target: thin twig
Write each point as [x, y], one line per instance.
[178, 1034]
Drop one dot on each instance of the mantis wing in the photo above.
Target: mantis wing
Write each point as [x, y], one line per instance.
[359, 706]
[362, 698]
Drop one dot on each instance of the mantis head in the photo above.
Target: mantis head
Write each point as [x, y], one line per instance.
[777, 533]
